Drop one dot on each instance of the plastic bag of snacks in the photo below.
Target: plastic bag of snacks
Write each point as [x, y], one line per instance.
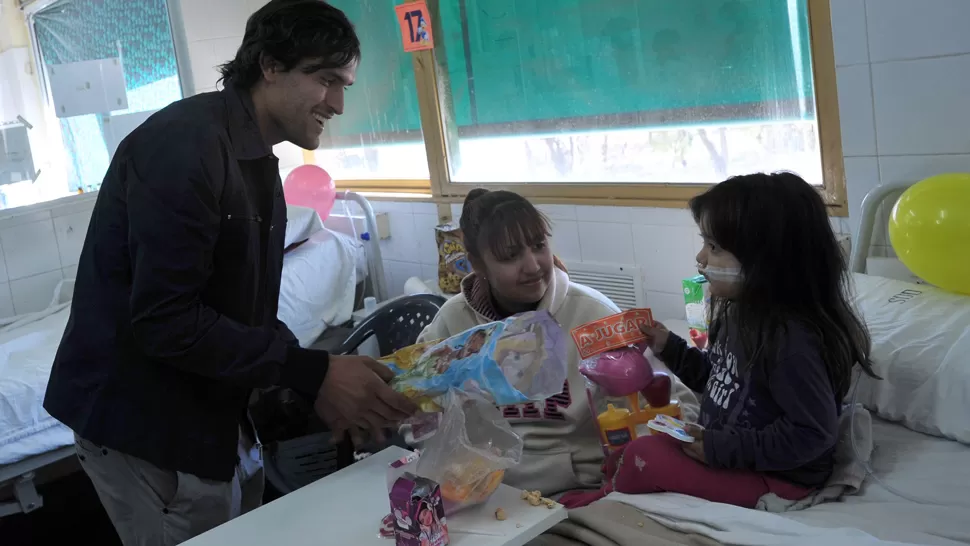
[520, 359]
[453, 263]
[470, 452]
[617, 376]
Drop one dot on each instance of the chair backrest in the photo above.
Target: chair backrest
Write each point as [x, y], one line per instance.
[396, 324]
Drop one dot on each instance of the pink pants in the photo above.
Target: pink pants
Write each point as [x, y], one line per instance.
[657, 464]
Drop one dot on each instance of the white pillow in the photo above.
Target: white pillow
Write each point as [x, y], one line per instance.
[920, 347]
[319, 284]
[301, 223]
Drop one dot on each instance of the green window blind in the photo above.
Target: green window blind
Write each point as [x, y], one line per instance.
[520, 66]
[382, 106]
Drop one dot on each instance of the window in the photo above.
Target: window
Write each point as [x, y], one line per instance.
[106, 65]
[378, 142]
[621, 101]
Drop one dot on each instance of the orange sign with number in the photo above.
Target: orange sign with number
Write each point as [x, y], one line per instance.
[415, 25]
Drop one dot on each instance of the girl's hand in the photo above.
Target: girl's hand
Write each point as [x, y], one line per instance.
[695, 450]
[656, 335]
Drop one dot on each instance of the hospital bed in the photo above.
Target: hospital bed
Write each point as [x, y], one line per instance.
[325, 275]
[914, 434]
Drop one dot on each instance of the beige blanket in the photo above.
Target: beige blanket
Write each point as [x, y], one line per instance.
[609, 523]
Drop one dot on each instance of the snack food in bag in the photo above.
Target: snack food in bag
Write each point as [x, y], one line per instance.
[470, 452]
[513, 361]
[453, 263]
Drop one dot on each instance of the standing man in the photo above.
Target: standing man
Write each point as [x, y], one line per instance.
[174, 316]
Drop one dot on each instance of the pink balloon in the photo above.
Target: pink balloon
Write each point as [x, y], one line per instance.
[310, 186]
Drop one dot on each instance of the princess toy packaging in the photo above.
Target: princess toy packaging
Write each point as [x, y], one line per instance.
[417, 515]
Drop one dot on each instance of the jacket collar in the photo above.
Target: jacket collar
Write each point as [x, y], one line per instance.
[247, 141]
[479, 296]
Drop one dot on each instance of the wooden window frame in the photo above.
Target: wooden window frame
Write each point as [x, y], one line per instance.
[441, 140]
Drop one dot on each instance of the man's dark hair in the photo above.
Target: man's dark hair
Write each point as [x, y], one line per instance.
[290, 31]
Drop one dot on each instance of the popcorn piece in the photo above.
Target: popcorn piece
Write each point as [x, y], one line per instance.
[500, 514]
[550, 504]
[532, 497]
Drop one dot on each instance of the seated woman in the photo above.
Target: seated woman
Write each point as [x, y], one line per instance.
[507, 242]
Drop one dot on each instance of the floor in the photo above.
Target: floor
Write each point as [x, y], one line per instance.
[69, 503]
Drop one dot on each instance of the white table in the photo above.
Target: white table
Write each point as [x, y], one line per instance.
[346, 508]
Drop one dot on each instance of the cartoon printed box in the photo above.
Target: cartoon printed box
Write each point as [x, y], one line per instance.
[417, 509]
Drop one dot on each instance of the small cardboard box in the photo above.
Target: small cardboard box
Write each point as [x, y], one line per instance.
[416, 507]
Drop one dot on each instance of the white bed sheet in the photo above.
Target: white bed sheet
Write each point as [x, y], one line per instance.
[27, 350]
[924, 467]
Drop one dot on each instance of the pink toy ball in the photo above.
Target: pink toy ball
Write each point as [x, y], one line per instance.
[620, 372]
[310, 186]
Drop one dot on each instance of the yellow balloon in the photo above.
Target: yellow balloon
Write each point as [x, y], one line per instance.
[929, 228]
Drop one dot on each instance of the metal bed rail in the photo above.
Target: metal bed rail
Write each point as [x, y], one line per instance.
[375, 262]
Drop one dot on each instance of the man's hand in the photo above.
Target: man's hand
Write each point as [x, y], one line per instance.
[695, 450]
[355, 397]
[656, 335]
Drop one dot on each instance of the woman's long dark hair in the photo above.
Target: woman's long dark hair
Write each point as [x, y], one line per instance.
[793, 270]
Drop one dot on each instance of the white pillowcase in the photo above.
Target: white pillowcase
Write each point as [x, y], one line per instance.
[301, 223]
[319, 284]
[921, 349]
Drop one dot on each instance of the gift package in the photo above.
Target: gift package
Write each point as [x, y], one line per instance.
[697, 301]
[417, 515]
[517, 360]
[466, 443]
[624, 392]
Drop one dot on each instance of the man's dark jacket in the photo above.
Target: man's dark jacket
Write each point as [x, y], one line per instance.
[173, 321]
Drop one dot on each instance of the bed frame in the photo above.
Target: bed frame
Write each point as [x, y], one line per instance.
[377, 283]
[21, 476]
[870, 210]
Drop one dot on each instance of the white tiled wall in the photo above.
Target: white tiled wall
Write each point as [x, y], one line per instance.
[903, 70]
[40, 245]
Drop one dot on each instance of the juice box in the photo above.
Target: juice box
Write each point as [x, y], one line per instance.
[697, 300]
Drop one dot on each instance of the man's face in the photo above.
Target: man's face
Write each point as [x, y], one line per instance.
[301, 101]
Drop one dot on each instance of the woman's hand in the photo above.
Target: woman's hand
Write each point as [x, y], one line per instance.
[695, 450]
[656, 335]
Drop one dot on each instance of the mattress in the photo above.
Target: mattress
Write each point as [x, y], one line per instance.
[27, 350]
